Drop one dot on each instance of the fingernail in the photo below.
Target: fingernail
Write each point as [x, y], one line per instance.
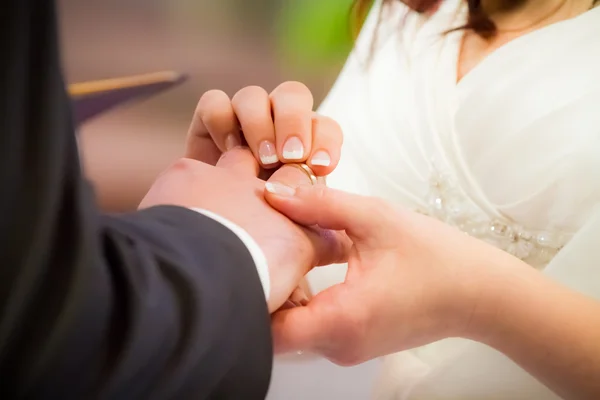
[279, 189]
[321, 158]
[293, 149]
[267, 153]
[232, 141]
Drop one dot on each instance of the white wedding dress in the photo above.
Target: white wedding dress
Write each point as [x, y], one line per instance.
[510, 154]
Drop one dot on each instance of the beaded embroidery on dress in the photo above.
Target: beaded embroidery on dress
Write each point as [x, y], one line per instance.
[448, 203]
[509, 155]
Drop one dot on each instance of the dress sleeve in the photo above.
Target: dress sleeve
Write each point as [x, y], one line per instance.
[162, 303]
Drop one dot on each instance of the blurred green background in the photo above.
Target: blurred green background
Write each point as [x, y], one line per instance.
[314, 35]
[224, 44]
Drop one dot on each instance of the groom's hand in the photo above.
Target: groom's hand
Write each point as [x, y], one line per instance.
[232, 190]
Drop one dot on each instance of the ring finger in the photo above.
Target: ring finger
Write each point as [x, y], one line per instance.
[327, 141]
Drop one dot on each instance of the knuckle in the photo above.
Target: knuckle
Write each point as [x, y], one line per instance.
[327, 126]
[249, 93]
[293, 87]
[213, 106]
[252, 107]
[209, 98]
[324, 122]
[294, 90]
[180, 169]
[183, 164]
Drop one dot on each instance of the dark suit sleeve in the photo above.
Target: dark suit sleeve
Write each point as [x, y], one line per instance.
[163, 303]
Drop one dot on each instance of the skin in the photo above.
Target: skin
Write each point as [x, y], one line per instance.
[405, 290]
[527, 17]
[265, 121]
[215, 115]
[255, 117]
[400, 294]
[236, 193]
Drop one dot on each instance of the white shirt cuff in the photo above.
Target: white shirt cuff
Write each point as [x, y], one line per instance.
[260, 260]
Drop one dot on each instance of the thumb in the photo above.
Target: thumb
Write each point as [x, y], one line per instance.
[308, 328]
[329, 247]
[296, 329]
[361, 217]
[331, 325]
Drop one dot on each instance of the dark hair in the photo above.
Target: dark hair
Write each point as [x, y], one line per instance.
[478, 21]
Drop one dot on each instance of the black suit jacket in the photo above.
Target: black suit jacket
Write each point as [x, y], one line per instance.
[164, 303]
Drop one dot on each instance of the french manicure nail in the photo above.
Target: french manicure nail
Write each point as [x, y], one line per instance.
[279, 189]
[321, 158]
[267, 153]
[293, 149]
[232, 141]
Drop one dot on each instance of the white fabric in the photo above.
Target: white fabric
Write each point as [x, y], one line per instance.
[520, 137]
[260, 260]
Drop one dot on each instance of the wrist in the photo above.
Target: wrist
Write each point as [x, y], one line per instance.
[258, 256]
[504, 284]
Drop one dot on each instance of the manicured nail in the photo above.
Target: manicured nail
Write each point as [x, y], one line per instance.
[321, 158]
[293, 149]
[267, 153]
[232, 140]
[279, 189]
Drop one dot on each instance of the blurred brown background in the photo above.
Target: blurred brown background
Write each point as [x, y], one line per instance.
[224, 44]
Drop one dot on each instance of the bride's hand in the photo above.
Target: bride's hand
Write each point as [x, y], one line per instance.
[279, 127]
[411, 279]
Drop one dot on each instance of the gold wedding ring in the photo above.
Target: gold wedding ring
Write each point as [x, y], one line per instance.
[308, 171]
